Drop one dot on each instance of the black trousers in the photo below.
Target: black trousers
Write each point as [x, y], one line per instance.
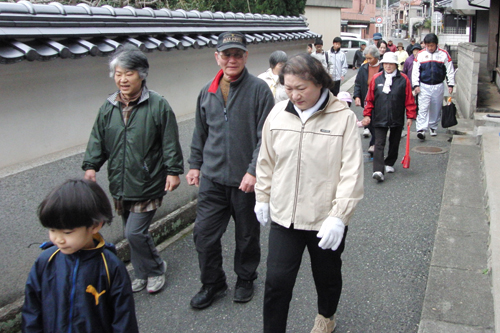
[286, 246]
[216, 204]
[379, 162]
[336, 88]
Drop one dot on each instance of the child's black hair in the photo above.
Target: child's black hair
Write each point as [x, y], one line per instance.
[75, 203]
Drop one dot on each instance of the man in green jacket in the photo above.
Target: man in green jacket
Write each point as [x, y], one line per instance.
[136, 132]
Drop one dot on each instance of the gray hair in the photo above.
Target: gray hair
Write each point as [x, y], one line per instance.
[277, 57]
[131, 58]
[371, 50]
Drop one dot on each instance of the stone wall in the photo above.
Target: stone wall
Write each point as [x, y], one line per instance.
[472, 70]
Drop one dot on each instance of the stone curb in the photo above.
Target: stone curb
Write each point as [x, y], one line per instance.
[490, 150]
[169, 226]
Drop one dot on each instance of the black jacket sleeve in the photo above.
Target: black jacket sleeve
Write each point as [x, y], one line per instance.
[124, 319]
[32, 308]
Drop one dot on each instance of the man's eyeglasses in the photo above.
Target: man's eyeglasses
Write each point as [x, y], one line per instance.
[226, 55]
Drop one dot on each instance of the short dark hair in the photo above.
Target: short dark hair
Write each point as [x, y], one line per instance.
[431, 38]
[73, 204]
[380, 42]
[337, 40]
[307, 68]
[318, 41]
[131, 58]
[277, 57]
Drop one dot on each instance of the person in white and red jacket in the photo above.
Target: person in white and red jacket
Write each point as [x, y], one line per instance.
[389, 98]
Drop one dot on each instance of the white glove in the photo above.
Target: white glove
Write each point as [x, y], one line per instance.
[331, 233]
[262, 212]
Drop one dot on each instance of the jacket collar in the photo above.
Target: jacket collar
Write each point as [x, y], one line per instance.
[87, 253]
[325, 106]
[215, 82]
[144, 96]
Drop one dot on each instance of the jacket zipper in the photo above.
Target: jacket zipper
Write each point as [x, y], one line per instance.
[125, 126]
[298, 162]
[298, 172]
[72, 297]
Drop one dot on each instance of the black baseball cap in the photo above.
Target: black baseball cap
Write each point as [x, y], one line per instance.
[416, 47]
[232, 40]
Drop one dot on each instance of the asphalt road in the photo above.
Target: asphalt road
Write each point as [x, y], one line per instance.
[386, 262]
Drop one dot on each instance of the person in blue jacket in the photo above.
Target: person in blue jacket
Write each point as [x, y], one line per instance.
[78, 284]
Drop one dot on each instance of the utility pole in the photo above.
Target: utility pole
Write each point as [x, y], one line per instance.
[432, 15]
[387, 20]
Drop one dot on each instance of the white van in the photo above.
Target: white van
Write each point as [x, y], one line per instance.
[349, 46]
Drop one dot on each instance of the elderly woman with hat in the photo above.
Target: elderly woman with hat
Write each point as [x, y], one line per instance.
[389, 95]
[402, 56]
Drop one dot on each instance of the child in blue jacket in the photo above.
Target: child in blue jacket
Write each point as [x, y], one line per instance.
[78, 284]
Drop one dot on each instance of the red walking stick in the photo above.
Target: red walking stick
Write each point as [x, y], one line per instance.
[406, 158]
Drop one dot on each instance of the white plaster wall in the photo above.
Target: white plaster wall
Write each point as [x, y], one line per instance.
[324, 21]
[49, 107]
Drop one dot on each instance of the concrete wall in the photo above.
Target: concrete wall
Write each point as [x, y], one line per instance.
[482, 24]
[472, 70]
[453, 39]
[324, 21]
[48, 109]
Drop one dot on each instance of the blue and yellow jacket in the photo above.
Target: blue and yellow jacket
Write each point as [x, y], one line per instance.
[88, 291]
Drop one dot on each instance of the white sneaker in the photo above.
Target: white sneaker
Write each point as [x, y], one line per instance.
[433, 132]
[389, 169]
[155, 283]
[323, 325]
[379, 176]
[421, 135]
[366, 133]
[138, 285]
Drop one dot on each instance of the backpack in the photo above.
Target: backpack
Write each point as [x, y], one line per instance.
[326, 57]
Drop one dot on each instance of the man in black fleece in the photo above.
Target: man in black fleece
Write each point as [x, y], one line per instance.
[230, 113]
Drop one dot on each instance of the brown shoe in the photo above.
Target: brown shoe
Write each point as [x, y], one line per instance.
[323, 325]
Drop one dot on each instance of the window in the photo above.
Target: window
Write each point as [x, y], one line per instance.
[455, 24]
[419, 12]
[344, 44]
[355, 43]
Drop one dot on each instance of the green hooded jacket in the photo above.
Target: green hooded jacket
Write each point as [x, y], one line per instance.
[141, 153]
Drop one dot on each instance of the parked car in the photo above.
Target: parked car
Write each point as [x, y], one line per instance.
[349, 46]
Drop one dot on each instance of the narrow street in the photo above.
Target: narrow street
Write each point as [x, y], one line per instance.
[386, 262]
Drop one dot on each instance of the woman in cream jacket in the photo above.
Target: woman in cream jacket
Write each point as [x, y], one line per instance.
[309, 180]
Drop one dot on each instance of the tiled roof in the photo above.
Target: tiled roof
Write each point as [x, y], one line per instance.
[44, 32]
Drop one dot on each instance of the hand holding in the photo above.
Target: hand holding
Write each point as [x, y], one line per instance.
[261, 210]
[331, 233]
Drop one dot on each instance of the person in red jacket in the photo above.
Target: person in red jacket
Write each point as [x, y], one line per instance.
[389, 95]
